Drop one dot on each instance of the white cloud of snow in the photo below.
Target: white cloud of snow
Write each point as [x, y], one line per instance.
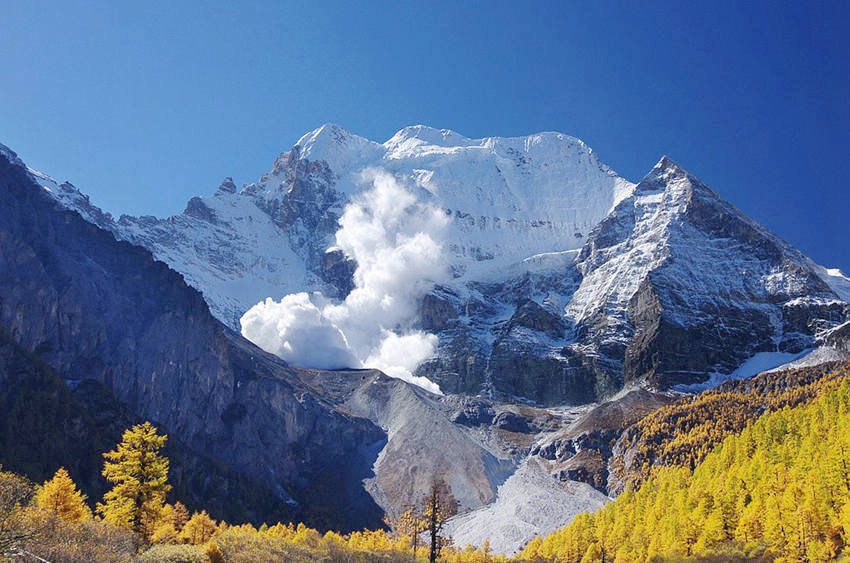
[291, 327]
[398, 356]
[396, 241]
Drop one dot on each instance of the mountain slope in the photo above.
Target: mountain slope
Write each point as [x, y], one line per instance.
[47, 424]
[563, 282]
[684, 432]
[677, 284]
[776, 490]
[95, 308]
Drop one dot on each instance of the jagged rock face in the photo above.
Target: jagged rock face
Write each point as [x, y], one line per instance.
[96, 308]
[568, 281]
[839, 338]
[697, 287]
[470, 411]
[583, 451]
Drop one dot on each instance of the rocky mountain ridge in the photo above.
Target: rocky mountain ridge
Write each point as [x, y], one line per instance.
[567, 281]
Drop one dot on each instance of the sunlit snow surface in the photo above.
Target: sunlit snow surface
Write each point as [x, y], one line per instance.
[513, 205]
[760, 362]
[836, 280]
[815, 357]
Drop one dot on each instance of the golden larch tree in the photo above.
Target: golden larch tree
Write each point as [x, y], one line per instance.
[139, 473]
[409, 524]
[61, 497]
[180, 516]
[199, 528]
[440, 505]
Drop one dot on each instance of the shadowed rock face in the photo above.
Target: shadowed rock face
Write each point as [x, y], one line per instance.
[697, 286]
[95, 308]
[839, 338]
[582, 451]
[47, 424]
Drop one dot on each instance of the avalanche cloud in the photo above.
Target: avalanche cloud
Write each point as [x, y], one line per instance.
[396, 241]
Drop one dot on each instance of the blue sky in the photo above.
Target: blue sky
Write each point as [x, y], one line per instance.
[142, 105]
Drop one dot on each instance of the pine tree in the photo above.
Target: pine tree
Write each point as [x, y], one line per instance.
[61, 497]
[140, 477]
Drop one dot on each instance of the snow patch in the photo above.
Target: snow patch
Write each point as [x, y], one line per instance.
[758, 363]
[815, 357]
[836, 280]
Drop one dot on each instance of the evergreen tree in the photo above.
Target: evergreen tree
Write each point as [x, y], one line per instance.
[61, 497]
[139, 473]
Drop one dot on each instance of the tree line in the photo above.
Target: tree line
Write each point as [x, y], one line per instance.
[683, 433]
[775, 486]
[778, 490]
[54, 522]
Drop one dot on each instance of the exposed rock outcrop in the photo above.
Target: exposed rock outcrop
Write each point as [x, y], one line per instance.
[95, 308]
[582, 451]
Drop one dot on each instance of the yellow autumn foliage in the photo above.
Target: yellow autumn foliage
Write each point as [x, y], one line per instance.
[61, 497]
[780, 489]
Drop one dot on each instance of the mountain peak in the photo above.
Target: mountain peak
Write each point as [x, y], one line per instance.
[668, 167]
[226, 187]
[333, 144]
[666, 175]
[326, 131]
[426, 135]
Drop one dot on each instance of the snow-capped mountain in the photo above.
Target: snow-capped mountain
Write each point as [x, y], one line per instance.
[677, 282]
[565, 280]
[509, 199]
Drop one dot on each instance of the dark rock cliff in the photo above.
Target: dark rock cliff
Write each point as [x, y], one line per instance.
[47, 424]
[95, 308]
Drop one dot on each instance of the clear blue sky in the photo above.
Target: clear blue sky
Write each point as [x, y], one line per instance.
[145, 104]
